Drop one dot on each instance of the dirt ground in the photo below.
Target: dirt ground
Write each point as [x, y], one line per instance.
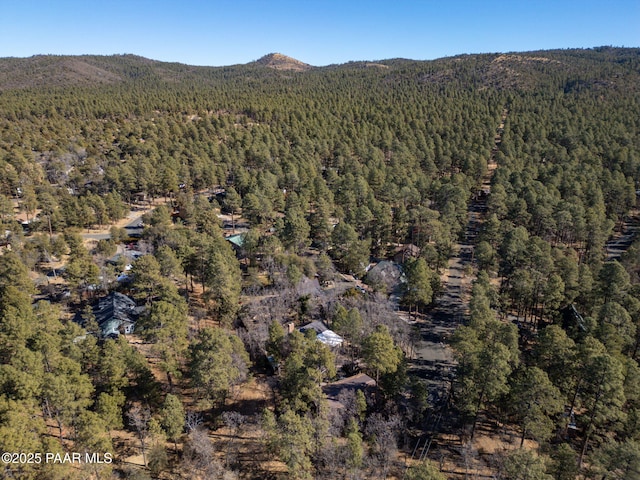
[244, 446]
[461, 461]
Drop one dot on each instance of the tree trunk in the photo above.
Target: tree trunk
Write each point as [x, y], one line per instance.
[573, 401]
[584, 446]
[59, 426]
[475, 419]
[144, 454]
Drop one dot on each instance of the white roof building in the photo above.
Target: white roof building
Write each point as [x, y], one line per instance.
[323, 334]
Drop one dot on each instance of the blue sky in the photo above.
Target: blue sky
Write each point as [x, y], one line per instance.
[226, 32]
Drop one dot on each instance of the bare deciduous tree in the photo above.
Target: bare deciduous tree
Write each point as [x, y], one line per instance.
[193, 420]
[198, 459]
[383, 436]
[235, 421]
[139, 419]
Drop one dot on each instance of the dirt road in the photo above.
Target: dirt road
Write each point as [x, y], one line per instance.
[434, 360]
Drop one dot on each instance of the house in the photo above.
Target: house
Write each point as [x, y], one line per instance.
[139, 197]
[129, 255]
[323, 334]
[354, 383]
[385, 275]
[237, 241]
[115, 314]
[317, 325]
[330, 338]
[403, 252]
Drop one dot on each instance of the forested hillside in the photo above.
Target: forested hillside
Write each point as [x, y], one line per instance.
[269, 190]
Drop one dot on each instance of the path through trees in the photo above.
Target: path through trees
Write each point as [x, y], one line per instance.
[433, 358]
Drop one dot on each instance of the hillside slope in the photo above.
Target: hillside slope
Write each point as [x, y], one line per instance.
[570, 69]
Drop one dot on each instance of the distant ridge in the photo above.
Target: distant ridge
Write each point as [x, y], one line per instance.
[570, 70]
[279, 61]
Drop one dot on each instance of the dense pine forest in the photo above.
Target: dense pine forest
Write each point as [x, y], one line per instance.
[274, 242]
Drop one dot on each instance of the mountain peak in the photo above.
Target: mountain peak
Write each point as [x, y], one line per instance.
[279, 61]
